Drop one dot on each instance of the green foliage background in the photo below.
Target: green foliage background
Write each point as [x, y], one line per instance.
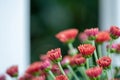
[48, 17]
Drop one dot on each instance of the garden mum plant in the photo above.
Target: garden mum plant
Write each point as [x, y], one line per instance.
[83, 62]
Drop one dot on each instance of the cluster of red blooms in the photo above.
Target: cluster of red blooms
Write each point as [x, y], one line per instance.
[51, 64]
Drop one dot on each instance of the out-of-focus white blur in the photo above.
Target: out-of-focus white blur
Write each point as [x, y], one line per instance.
[14, 34]
[109, 13]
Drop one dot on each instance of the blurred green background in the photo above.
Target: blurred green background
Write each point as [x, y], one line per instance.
[48, 17]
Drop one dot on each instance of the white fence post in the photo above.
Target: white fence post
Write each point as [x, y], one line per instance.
[14, 34]
[109, 14]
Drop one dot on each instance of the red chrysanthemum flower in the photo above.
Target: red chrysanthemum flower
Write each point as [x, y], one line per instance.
[79, 60]
[45, 65]
[91, 33]
[34, 68]
[94, 72]
[55, 55]
[67, 35]
[86, 50]
[104, 62]
[61, 77]
[66, 60]
[115, 32]
[83, 37]
[2, 77]
[55, 69]
[102, 37]
[12, 71]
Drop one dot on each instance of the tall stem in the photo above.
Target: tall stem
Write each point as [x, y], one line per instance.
[95, 79]
[87, 63]
[73, 50]
[70, 46]
[95, 53]
[82, 71]
[73, 73]
[108, 52]
[61, 69]
[99, 50]
[106, 74]
[51, 74]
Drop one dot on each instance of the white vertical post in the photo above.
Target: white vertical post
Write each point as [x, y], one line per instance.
[109, 11]
[110, 15]
[14, 34]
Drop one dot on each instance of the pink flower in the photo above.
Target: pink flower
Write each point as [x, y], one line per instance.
[115, 32]
[2, 77]
[67, 35]
[83, 37]
[12, 71]
[34, 68]
[66, 60]
[104, 62]
[114, 48]
[45, 65]
[91, 33]
[61, 77]
[94, 72]
[54, 55]
[86, 50]
[79, 60]
[118, 48]
[102, 37]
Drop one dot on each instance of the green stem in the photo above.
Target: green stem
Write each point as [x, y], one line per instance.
[87, 63]
[69, 76]
[112, 75]
[70, 46]
[73, 50]
[98, 78]
[61, 69]
[106, 74]
[108, 52]
[95, 53]
[51, 74]
[73, 73]
[82, 71]
[99, 50]
[49, 77]
[95, 79]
